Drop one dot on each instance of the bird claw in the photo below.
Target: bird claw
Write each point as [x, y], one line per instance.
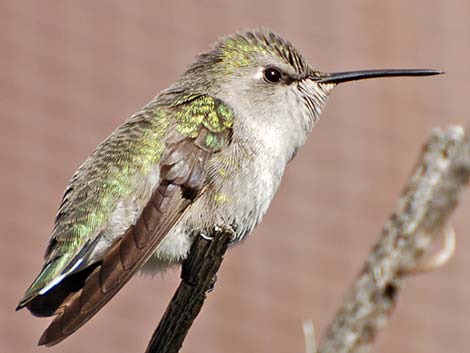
[205, 236]
[440, 258]
[228, 229]
[218, 229]
[212, 284]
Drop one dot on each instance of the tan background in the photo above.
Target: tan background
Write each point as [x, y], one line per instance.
[71, 71]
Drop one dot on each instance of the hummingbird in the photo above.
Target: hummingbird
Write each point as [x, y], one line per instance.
[209, 151]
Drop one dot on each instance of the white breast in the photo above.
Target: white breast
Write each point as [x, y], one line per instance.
[260, 150]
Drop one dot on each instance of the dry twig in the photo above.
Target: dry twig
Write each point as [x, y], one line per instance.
[197, 279]
[423, 210]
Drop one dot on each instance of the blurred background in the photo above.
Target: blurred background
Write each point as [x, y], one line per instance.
[70, 72]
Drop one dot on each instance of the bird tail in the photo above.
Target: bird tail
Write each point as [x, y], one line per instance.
[50, 289]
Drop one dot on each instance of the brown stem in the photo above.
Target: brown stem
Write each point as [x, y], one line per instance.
[197, 279]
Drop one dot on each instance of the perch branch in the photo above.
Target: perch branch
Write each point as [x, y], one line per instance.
[422, 212]
[197, 279]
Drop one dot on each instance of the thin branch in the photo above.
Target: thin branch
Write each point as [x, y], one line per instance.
[309, 336]
[197, 279]
[423, 210]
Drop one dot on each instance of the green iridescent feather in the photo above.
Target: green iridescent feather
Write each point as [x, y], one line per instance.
[114, 170]
[203, 111]
[244, 50]
[106, 177]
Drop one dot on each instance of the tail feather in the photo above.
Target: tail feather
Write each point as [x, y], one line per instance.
[56, 279]
[77, 299]
[47, 304]
[50, 271]
[118, 265]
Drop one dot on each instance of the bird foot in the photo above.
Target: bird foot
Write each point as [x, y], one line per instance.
[219, 229]
[205, 236]
[212, 284]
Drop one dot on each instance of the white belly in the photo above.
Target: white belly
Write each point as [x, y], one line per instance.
[240, 202]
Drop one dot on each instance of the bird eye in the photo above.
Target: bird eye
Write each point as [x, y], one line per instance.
[273, 75]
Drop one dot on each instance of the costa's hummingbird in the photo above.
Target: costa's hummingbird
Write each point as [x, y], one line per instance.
[208, 151]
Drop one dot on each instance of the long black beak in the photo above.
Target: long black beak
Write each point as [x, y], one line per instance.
[338, 77]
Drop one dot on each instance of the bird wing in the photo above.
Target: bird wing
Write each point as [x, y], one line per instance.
[103, 198]
[181, 181]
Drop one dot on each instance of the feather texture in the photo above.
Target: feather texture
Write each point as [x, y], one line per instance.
[180, 185]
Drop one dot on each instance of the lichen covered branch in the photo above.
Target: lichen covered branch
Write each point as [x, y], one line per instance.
[423, 210]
